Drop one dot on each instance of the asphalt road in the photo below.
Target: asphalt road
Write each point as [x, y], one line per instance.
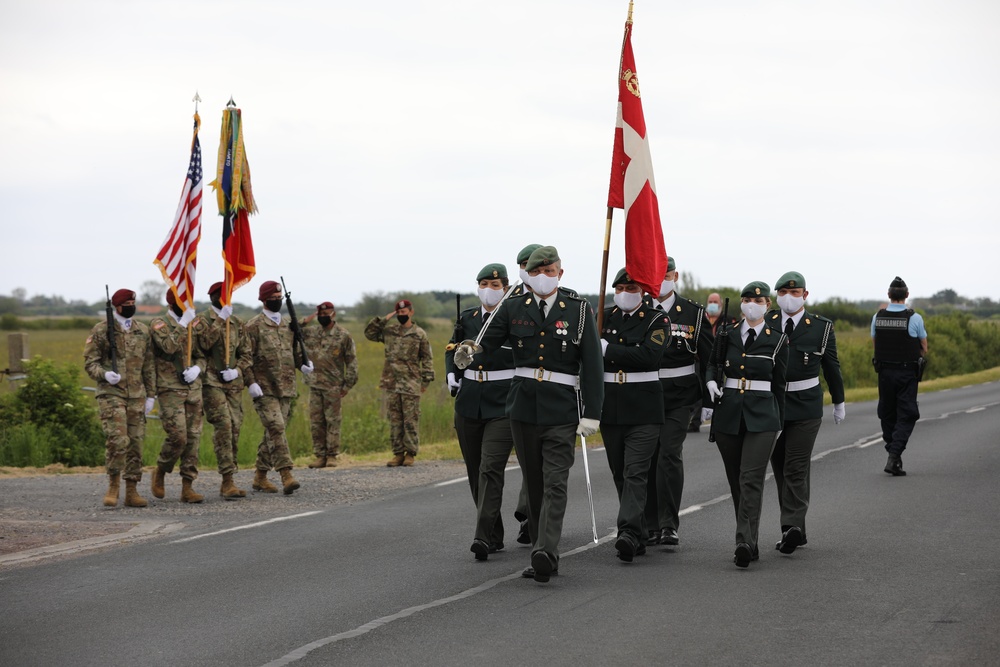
[898, 571]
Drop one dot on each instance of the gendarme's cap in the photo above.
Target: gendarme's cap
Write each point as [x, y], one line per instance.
[897, 282]
[622, 277]
[542, 256]
[121, 296]
[526, 251]
[403, 303]
[216, 287]
[671, 264]
[790, 280]
[326, 305]
[491, 271]
[755, 289]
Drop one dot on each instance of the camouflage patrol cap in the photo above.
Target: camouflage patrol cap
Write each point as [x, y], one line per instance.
[216, 287]
[526, 251]
[622, 278]
[542, 256]
[492, 271]
[267, 289]
[121, 296]
[790, 280]
[671, 264]
[755, 289]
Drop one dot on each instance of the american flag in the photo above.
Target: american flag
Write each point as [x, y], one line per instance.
[178, 257]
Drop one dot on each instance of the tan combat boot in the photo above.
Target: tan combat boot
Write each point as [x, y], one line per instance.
[156, 485]
[260, 483]
[132, 497]
[287, 481]
[111, 497]
[395, 461]
[331, 462]
[408, 459]
[228, 490]
[320, 462]
[188, 494]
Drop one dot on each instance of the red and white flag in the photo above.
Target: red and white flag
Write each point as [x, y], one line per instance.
[178, 257]
[632, 186]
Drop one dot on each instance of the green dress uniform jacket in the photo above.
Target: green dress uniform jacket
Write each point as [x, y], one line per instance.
[135, 360]
[170, 353]
[635, 345]
[691, 341]
[766, 360]
[482, 397]
[212, 340]
[812, 347]
[274, 355]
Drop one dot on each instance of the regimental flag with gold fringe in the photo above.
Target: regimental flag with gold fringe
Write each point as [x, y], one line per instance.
[632, 186]
[236, 203]
[178, 258]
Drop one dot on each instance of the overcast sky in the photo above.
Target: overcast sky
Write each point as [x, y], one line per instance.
[404, 144]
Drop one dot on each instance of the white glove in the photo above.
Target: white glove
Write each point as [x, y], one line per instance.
[306, 368]
[149, 404]
[587, 427]
[255, 390]
[453, 383]
[191, 374]
[112, 377]
[229, 374]
[706, 414]
[225, 312]
[839, 413]
[463, 355]
[713, 389]
[604, 347]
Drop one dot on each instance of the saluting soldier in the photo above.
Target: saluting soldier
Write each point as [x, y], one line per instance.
[336, 361]
[557, 351]
[751, 410]
[222, 385]
[125, 397]
[812, 346]
[271, 383]
[481, 422]
[633, 341]
[687, 350]
[178, 388]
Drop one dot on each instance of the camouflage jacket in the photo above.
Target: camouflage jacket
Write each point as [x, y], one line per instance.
[212, 340]
[170, 353]
[333, 355]
[273, 361]
[409, 366]
[135, 360]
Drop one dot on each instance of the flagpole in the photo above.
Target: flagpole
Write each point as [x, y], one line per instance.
[197, 126]
[604, 271]
[229, 105]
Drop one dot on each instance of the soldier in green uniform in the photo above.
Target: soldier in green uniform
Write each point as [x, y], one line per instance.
[633, 340]
[271, 382]
[222, 385]
[408, 371]
[178, 388]
[812, 346]
[481, 423]
[557, 352]
[751, 409]
[125, 397]
[689, 345]
[332, 350]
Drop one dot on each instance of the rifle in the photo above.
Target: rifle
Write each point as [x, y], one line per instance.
[109, 310]
[296, 329]
[721, 339]
[459, 331]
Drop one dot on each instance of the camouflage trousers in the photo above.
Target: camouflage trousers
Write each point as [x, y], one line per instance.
[180, 414]
[224, 411]
[272, 451]
[403, 411]
[124, 423]
[324, 419]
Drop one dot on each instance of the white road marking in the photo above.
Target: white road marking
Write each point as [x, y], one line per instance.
[249, 525]
[466, 479]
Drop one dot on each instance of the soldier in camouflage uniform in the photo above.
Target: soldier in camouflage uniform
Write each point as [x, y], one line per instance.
[222, 385]
[125, 397]
[407, 373]
[271, 383]
[332, 350]
[178, 388]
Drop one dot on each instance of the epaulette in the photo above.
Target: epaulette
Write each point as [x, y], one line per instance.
[775, 314]
[572, 294]
[471, 309]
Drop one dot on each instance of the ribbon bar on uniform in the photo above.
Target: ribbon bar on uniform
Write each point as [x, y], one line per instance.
[543, 375]
[489, 376]
[800, 385]
[744, 384]
[623, 377]
[676, 372]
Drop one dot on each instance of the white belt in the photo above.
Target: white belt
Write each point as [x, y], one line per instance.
[543, 375]
[489, 376]
[799, 385]
[750, 385]
[621, 377]
[676, 372]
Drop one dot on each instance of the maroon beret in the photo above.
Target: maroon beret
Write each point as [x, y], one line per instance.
[216, 287]
[267, 289]
[171, 299]
[326, 305]
[121, 296]
[403, 303]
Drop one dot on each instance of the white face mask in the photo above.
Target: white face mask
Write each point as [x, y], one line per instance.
[753, 311]
[628, 301]
[490, 297]
[713, 309]
[790, 304]
[542, 284]
[666, 287]
[524, 276]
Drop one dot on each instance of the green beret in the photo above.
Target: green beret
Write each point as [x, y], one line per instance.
[671, 264]
[542, 256]
[526, 251]
[755, 289]
[791, 279]
[621, 278]
[491, 271]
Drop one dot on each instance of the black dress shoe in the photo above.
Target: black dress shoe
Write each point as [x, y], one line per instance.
[894, 466]
[743, 555]
[790, 540]
[481, 549]
[543, 565]
[529, 572]
[495, 547]
[523, 536]
[641, 551]
[653, 538]
[626, 547]
[669, 537]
